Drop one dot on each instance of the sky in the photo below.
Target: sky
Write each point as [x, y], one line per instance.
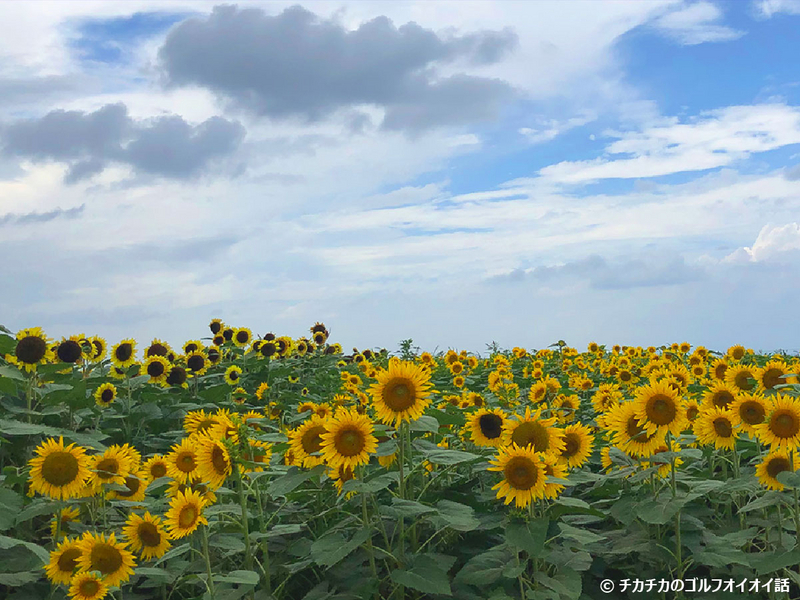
[457, 173]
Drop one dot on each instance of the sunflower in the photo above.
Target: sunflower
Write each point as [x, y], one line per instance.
[177, 377]
[135, 486]
[749, 410]
[692, 409]
[182, 461]
[628, 435]
[606, 397]
[108, 556]
[112, 466]
[241, 337]
[185, 513]
[306, 441]
[123, 355]
[293, 379]
[155, 468]
[157, 348]
[772, 374]
[323, 409]
[157, 367]
[70, 350]
[341, 475]
[553, 468]
[523, 474]
[401, 393]
[198, 421]
[232, 375]
[578, 442]
[258, 452]
[66, 515]
[664, 465]
[58, 471]
[348, 440]
[216, 326]
[781, 429]
[306, 406]
[739, 377]
[33, 348]
[63, 561]
[538, 392]
[532, 430]
[146, 534]
[486, 426]
[775, 462]
[720, 395]
[195, 486]
[718, 369]
[261, 390]
[736, 352]
[87, 586]
[213, 461]
[659, 409]
[105, 394]
[715, 426]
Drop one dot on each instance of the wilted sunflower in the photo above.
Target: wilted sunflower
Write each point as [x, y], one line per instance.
[213, 461]
[348, 440]
[232, 375]
[87, 586]
[112, 466]
[781, 429]
[774, 463]
[749, 410]
[33, 348]
[182, 461]
[157, 367]
[401, 393]
[63, 561]
[532, 430]
[715, 426]
[105, 394]
[720, 395]
[578, 442]
[741, 377]
[659, 409]
[58, 471]
[185, 513]
[486, 426]
[306, 442]
[155, 468]
[146, 534]
[108, 556]
[523, 475]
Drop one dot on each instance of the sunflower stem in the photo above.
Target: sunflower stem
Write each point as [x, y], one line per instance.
[209, 574]
[248, 554]
[264, 542]
[401, 521]
[368, 529]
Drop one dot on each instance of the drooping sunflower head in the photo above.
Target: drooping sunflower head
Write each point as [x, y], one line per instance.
[106, 555]
[486, 427]
[523, 472]
[63, 561]
[185, 513]
[401, 392]
[59, 471]
[774, 463]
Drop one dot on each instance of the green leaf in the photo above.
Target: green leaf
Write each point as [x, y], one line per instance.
[789, 479]
[371, 486]
[7, 343]
[581, 536]
[18, 579]
[176, 551]
[427, 578]
[484, 569]
[768, 499]
[10, 505]
[446, 418]
[406, 508]
[289, 482]
[769, 562]
[243, 577]
[12, 428]
[458, 516]
[425, 423]
[161, 575]
[566, 583]
[529, 536]
[6, 543]
[443, 456]
[10, 372]
[332, 548]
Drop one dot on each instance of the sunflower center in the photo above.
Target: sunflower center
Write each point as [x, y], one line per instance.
[784, 424]
[69, 351]
[692, 412]
[105, 558]
[722, 399]
[661, 409]
[722, 427]
[148, 534]
[312, 442]
[187, 516]
[108, 467]
[491, 425]
[637, 433]
[349, 442]
[123, 352]
[242, 337]
[530, 432]
[195, 362]
[68, 560]
[742, 380]
[572, 445]
[155, 369]
[133, 484]
[157, 350]
[752, 412]
[185, 462]
[177, 376]
[31, 349]
[89, 587]
[158, 470]
[107, 395]
[219, 461]
[398, 395]
[521, 473]
[772, 377]
[60, 468]
[778, 465]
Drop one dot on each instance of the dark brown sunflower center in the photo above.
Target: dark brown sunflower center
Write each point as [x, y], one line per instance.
[177, 376]
[692, 412]
[89, 587]
[107, 468]
[68, 560]
[531, 432]
[625, 375]
[399, 394]
[158, 470]
[742, 380]
[521, 473]
[267, 349]
[123, 352]
[772, 377]
[349, 442]
[219, 460]
[69, 351]
[491, 425]
[148, 534]
[187, 516]
[233, 375]
[784, 424]
[156, 350]
[719, 371]
[752, 412]
[31, 349]
[185, 462]
[722, 399]
[778, 465]
[60, 468]
[107, 395]
[242, 337]
[155, 369]
[722, 427]
[228, 334]
[195, 362]
[133, 484]
[637, 433]
[572, 445]
[661, 409]
[105, 558]
[312, 440]
[215, 326]
[738, 353]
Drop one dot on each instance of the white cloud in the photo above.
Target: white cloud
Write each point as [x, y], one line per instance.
[695, 24]
[768, 8]
[549, 129]
[772, 241]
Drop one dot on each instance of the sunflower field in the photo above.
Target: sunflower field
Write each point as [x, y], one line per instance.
[267, 467]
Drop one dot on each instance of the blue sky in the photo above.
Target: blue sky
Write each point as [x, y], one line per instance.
[501, 172]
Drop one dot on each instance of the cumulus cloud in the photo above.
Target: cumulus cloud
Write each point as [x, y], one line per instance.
[695, 24]
[772, 242]
[768, 8]
[87, 142]
[296, 64]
